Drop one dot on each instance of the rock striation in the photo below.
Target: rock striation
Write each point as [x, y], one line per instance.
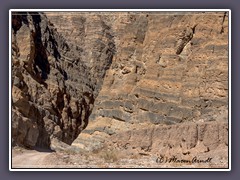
[140, 81]
[168, 69]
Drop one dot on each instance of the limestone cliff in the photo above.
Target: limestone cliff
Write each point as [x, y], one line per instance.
[137, 80]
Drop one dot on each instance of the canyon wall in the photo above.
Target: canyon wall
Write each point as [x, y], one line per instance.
[56, 77]
[126, 78]
[167, 87]
[167, 69]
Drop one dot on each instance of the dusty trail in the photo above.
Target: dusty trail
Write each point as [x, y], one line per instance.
[22, 159]
[31, 159]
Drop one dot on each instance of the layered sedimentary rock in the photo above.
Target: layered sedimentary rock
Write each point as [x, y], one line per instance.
[168, 69]
[127, 78]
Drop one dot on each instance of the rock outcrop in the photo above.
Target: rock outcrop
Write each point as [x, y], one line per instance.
[139, 81]
[55, 80]
[168, 69]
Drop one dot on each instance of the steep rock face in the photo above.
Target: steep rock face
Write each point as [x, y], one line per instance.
[54, 79]
[168, 69]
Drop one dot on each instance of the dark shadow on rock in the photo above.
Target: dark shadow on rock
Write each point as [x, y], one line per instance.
[41, 63]
[43, 149]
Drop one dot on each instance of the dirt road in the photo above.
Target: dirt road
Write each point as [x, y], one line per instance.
[42, 159]
[30, 159]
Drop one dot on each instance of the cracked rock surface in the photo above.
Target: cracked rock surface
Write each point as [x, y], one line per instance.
[55, 80]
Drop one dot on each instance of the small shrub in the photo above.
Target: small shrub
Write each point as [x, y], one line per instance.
[109, 156]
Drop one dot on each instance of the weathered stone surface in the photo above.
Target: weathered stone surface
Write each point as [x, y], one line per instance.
[177, 69]
[177, 74]
[172, 140]
[56, 78]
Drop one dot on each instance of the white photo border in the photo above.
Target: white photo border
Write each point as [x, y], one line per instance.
[121, 169]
